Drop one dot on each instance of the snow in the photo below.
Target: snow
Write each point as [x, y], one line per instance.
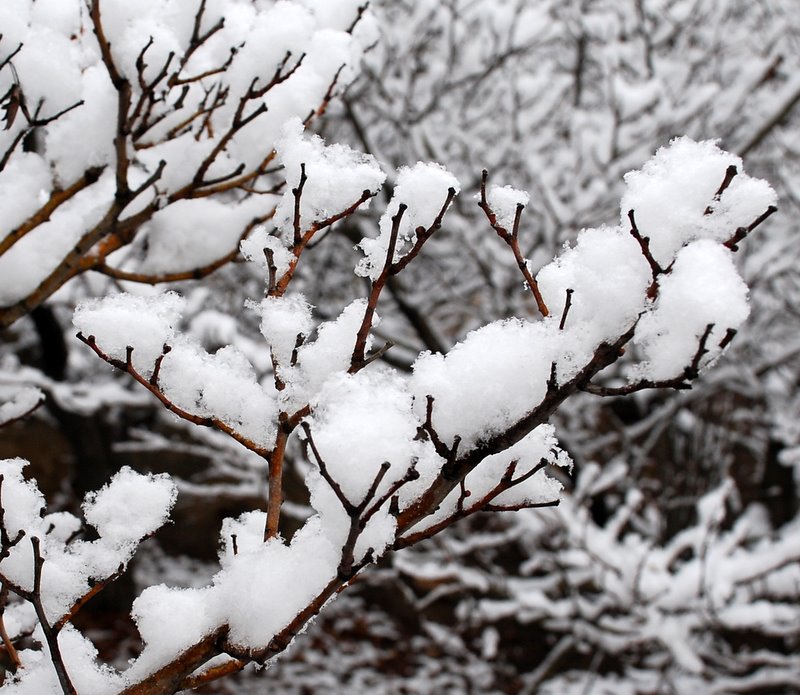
[61, 62]
[609, 278]
[191, 234]
[131, 506]
[253, 250]
[37, 674]
[122, 320]
[361, 422]
[283, 321]
[21, 402]
[703, 288]
[22, 501]
[475, 397]
[190, 619]
[329, 353]
[222, 386]
[503, 200]
[88, 124]
[423, 189]
[38, 253]
[671, 192]
[290, 576]
[23, 184]
[336, 177]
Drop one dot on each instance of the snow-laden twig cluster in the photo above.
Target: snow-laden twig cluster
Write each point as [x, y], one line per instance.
[185, 175]
[139, 138]
[397, 459]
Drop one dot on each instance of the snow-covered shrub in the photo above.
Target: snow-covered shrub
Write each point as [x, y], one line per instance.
[185, 177]
[397, 459]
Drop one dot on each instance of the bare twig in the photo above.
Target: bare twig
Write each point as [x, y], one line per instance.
[644, 244]
[730, 173]
[512, 239]
[357, 360]
[298, 194]
[681, 382]
[567, 305]
[126, 366]
[742, 232]
[50, 633]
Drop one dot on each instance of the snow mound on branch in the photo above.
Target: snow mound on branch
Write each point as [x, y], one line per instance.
[361, 423]
[486, 382]
[503, 200]
[704, 288]
[328, 354]
[520, 462]
[255, 246]
[131, 506]
[671, 192]
[284, 321]
[608, 277]
[191, 234]
[122, 320]
[23, 184]
[191, 617]
[222, 386]
[337, 176]
[19, 403]
[289, 578]
[423, 189]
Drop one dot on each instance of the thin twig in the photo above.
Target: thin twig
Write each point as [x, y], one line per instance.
[512, 239]
[50, 633]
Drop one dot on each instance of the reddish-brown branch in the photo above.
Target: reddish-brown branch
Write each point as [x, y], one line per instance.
[606, 354]
[742, 232]
[126, 366]
[512, 240]
[298, 196]
[347, 505]
[97, 587]
[50, 633]
[275, 500]
[212, 674]
[57, 198]
[359, 350]
[681, 382]
[124, 93]
[644, 244]
[7, 643]
[326, 100]
[282, 283]
[730, 174]
[567, 305]
[147, 279]
[279, 76]
[483, 504]
[423, 234]
[168, 679]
